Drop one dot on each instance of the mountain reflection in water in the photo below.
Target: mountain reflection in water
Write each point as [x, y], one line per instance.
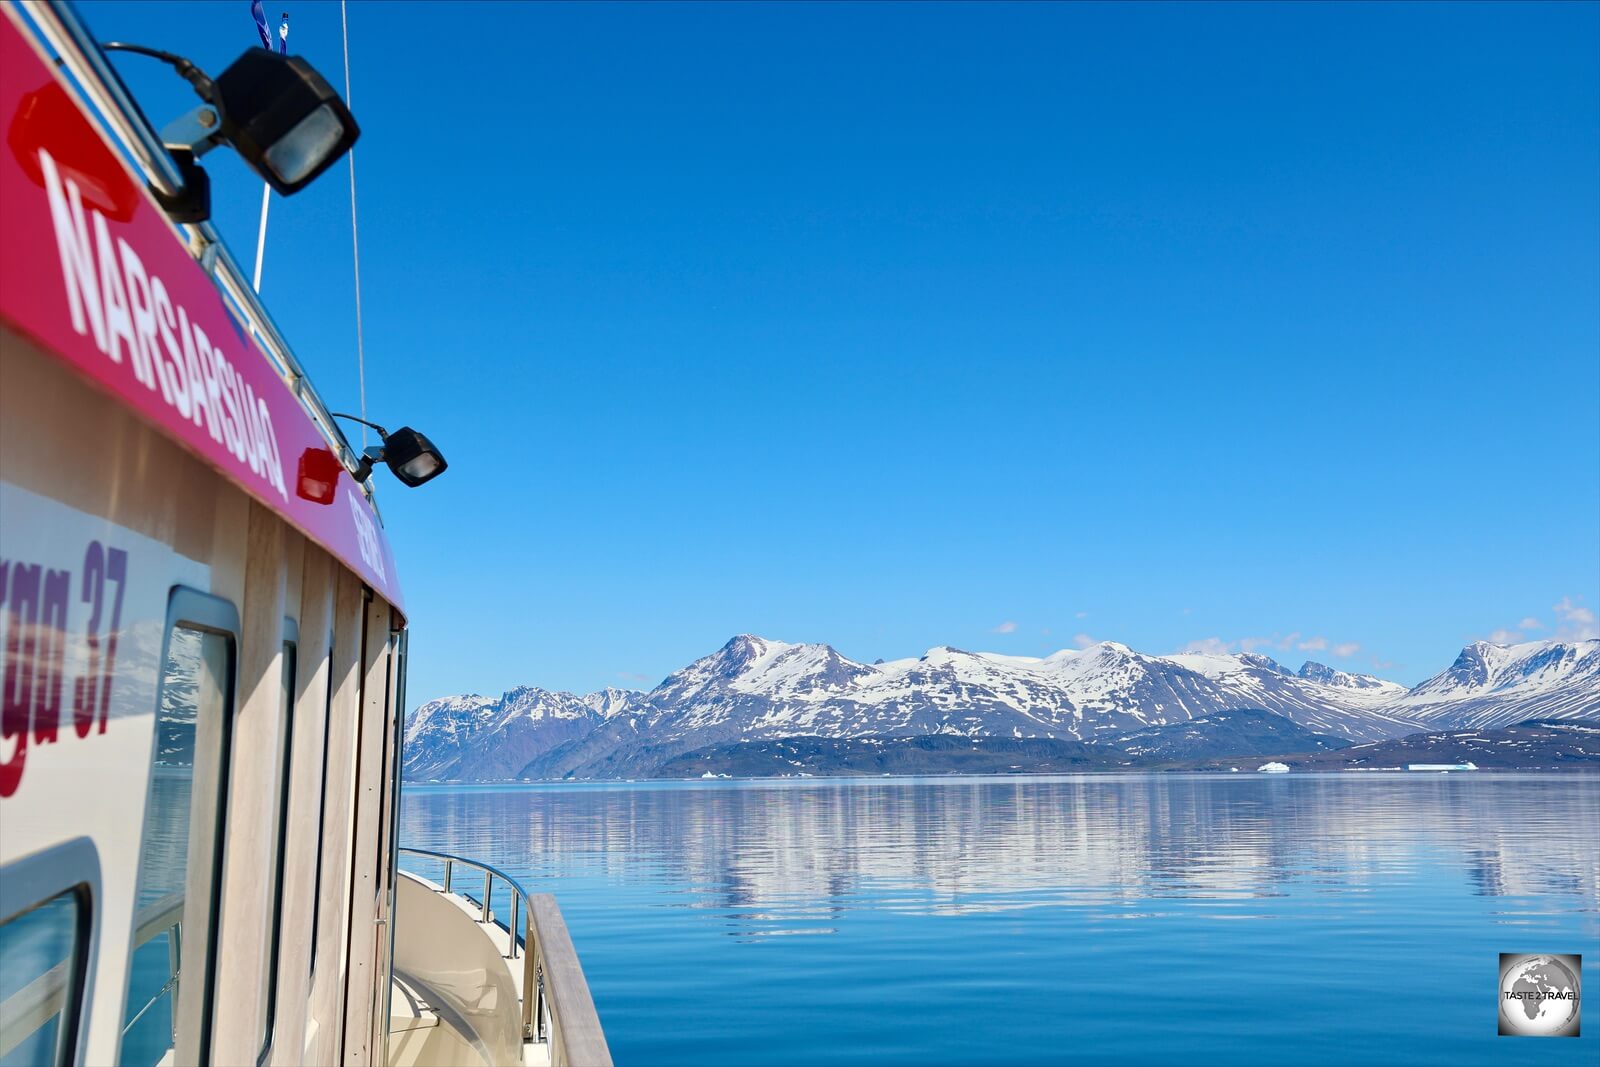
[845, 920]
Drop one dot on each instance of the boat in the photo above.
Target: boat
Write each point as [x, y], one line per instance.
[204, 634]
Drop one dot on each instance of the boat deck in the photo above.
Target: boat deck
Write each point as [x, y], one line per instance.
[427, 1027]
[474, 983]
[410, 1016]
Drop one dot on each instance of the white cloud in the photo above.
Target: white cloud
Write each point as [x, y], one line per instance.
[1083, 640]
[630, 676]
[1577, 621]
[1083, 615]
[1007, 627]
[1289, 640]
[1574, 623]
[1217, 645]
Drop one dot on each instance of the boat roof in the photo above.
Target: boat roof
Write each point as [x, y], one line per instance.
[157, 313]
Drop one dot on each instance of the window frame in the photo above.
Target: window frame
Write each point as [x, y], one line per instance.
[269, 1017]
[198, 610]
[73, 867]
[322, 808]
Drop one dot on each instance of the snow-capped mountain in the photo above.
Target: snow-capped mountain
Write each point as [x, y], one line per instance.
[491, 739]
[1497, 685]
[1320, 672]
[754, 688]
[757, 688]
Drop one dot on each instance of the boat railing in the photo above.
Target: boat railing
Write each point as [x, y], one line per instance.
[32, 1006]
[81, 56]
[556, 1005]
[161, 916]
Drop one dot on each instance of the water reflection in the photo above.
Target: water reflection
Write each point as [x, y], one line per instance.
[982, 921]
[191, 728]
[779, 858]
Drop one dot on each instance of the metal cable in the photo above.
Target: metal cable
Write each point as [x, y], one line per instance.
[355, 238]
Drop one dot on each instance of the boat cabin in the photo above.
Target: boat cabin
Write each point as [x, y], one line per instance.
[204, 649]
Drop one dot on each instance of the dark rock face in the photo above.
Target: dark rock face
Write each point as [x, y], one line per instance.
[1246, 732]
[1470, 668]
[1558, 744]
[865, 756]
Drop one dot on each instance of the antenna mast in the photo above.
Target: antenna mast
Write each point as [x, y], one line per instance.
[355, 238]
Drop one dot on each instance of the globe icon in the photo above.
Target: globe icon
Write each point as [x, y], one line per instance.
[1538, 997]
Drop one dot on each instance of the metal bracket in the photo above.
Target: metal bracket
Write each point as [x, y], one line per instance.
[199, 131]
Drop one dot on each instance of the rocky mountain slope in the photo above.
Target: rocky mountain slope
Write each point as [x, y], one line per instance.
[481, 738]
[1550, 744]
[757, 689]
[1496, 685]
[1247, 733]
[1223, 734]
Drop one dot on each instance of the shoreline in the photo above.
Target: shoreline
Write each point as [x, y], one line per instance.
[1375, 772]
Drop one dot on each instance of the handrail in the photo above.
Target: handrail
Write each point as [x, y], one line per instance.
[80, 53]
[490, 873]
[556, 1004]
[158, 917]
[29, 1008]
[575, 1033]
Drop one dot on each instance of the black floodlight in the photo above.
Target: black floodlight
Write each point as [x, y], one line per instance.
[280, 115]
[412, 457]
[408, 453]
[283, 118]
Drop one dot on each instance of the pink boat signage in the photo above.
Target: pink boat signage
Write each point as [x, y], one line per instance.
[95, 275]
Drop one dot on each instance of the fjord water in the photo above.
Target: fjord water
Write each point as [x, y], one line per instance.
[1226, 919]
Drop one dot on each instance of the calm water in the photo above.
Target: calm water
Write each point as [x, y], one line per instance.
[1134, 919]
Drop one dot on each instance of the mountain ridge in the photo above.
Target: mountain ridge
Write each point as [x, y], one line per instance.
[757, 688]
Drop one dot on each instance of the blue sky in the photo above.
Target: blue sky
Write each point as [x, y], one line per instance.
[998, 327]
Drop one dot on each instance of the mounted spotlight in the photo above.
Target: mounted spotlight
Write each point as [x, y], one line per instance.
[283, 118]
[278, 113]
[408, 453]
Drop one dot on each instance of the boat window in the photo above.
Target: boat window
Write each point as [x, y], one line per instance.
[39, 989]
[169, 987]
[322, 809]
[269, 983]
